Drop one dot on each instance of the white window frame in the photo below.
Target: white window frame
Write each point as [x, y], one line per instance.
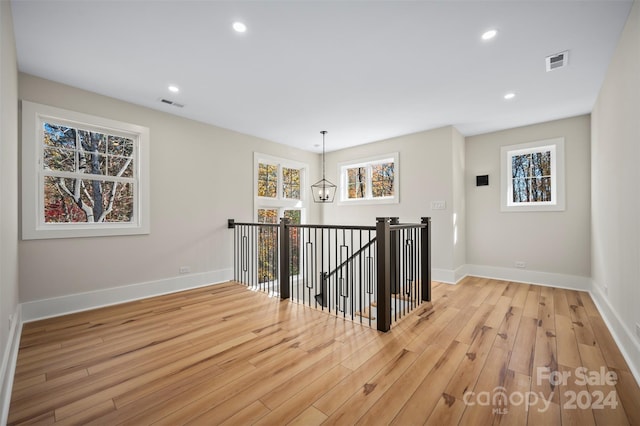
[280, 202]
[344, 199]
[557, 203]
[33, 224]
[281, 211]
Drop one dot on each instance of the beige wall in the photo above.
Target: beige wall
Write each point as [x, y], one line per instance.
[426, 174]
[549, 242]
[615, 192]
[201, 175]
[8, 189]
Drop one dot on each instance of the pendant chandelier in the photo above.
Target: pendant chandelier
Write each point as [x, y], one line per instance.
[323, 191]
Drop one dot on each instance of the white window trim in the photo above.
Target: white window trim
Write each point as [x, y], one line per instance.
[366, 162]
[33, 225]
[281, 211]
[556, 146]
[279, 202]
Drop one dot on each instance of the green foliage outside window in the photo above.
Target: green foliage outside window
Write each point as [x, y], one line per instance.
[267, 180]
[291, 183]
[294, 217]
[382, 180]
[268, 244]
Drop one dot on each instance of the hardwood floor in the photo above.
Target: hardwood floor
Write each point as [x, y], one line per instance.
[227, 355]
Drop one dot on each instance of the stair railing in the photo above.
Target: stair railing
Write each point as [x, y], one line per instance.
[364, 273]
[326, 276]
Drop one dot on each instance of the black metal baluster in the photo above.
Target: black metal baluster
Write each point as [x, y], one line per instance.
[352, 277]
[361, 280]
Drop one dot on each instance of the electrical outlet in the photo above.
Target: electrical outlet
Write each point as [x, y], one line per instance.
[184, 269]
[521, 264]
[10, 321]
[638, 330]
[438, 205]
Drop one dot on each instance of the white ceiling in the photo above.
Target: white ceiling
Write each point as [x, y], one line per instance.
[363, 70]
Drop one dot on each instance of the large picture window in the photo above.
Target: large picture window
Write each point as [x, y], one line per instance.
[373, 180]
[82, 175]
[279, 192]
[533, 176]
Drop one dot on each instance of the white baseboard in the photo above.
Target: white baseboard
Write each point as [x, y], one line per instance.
[446, 276]
[46, 308]
[460, 273]
[549, 279]
[449, 276]
[8, 367]
[623, 336]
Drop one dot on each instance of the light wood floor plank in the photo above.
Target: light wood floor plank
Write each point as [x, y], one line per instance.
[607, 345]
[224, 354]
[391, 402]
[508, 329]
[628, 393]
[309, 417]
[249, 415]
[545, 363]
[568, 354]
[293, 406]
[473, 327]
[516, 413]
[593, 361]
[568, 390]
[362, 400]
[419, 405]
[492, 380]
[532, 303]
[520, 297]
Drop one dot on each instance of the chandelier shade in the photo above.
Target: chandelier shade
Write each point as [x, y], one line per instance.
[323, 191]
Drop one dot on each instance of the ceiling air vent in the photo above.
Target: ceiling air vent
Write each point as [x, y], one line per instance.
[557, 61]
[168, 102]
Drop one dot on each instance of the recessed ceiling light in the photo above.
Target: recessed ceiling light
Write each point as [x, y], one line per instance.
[510, 95]
[488, 35]
[239, 27]
[174, 89]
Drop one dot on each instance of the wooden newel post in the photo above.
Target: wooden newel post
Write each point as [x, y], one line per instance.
[285, 251]
[394, 258]
[383, 294]
[425, 259]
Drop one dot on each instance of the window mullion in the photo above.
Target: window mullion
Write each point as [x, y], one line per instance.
[280, 183]
[369, 182]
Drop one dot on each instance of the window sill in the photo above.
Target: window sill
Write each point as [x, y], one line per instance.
[369, 201]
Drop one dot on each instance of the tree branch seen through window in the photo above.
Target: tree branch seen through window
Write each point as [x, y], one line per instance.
[370, 181]
[533, 176]
[88, 176]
